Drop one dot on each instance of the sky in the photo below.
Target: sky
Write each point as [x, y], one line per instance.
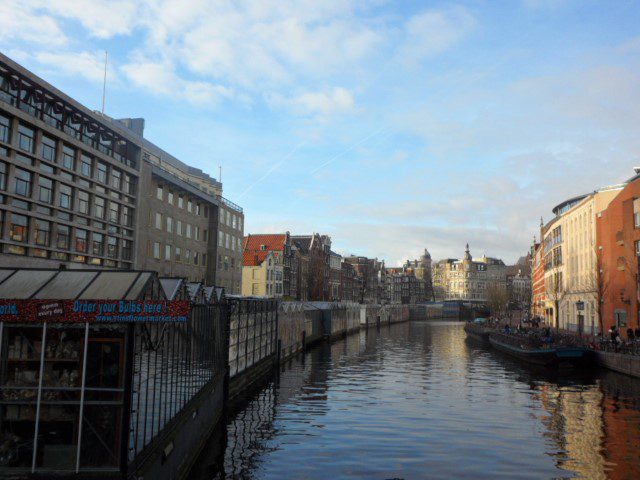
[390, 126]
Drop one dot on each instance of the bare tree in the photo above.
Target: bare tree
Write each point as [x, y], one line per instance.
[556, 293]
[497, 298]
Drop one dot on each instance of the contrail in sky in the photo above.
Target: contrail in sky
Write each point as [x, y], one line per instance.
[272, 169]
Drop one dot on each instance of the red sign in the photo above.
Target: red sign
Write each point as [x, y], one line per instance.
[94, 311]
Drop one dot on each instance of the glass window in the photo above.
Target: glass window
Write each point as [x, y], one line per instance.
[159, 193]
[66, 196]
[127, 219]
[220, 238]
[46, 190]
[189, 206]
[158, 221]
[112, 247]
[188, 230]
[48, 148]
[85, 165]
[83, 202]
[197, 233]
[18, 231]
[180, 201]
[97, 243]
[156, 250]
[98, 205]
[114, 212]
[102, 172]
[22, 185]
[167, 253]
[5, 129]
[43, 233]
[169, 224]
[195, 258]
[187, 256]
[178, 254]
[179, 227]
[3, 176]
[81, 240]
[129, 184]
[116, 178]
[170, 198]
[197, 209]
[63, 237]
[126, 249]
[68, 157]
[26, 138]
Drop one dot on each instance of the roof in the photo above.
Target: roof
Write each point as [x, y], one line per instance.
[302, 242]
[73, 284]
[253, 252]
[172, 286]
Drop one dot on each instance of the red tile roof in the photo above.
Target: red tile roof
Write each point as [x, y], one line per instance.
[253, 254]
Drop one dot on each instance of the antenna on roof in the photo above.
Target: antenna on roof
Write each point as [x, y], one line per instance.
[104, 82]
[220, 174]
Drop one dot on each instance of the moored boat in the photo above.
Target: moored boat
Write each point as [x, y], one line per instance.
[549, 356]
[478, 330]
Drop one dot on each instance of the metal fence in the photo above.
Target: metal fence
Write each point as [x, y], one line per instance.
[172, 363]
[253, 329]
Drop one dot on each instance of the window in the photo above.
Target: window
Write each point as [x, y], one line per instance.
[128, 184]
[187, 256]
[220, 238]
[179, 227]
[102, 172]
[233, 243]
[178, 253]
[188, 230]
[169, 224]
[63, 237]
[98, 205]
[158, 221]
[66, 196]
[81, 240]
[636, 219]
[68, 157]
[116, 178]
[48, 148]
[85, 165]
[195, 258]
[46, 190]
[197, 209]
[5, 129]
[233, 221]
[170, 197]
[112, 247]
[18, 228]
[180, 201]
[189, 206]
[206, 235]
[159, 193]
[127, 218]
[227, 241]
[167, 253]
[26, 138]
[43, 233]
[22, 185]
[3, 176]
[83, 202]
[637, 247]
[197, 233]
[97, 243]
[126, 249]
[114, 212]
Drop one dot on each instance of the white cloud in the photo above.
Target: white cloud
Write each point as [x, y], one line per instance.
[89, 65]
[328, 102]
[19, 23]
[434, 31]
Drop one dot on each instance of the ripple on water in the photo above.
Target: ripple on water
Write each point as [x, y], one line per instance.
[417, 401]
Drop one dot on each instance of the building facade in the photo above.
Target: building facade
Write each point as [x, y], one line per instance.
[256, 249]
[335, 274]
[68, 179]
[469, 279]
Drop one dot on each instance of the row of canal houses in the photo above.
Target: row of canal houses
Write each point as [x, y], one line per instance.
[585, 261]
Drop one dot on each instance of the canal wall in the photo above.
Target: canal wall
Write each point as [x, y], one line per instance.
[620, 362]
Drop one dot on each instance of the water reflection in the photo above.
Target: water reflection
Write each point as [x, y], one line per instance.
[417, 400]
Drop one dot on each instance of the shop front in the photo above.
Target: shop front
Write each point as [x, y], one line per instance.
[94, 366]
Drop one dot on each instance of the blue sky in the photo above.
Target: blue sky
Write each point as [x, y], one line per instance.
[391, 126]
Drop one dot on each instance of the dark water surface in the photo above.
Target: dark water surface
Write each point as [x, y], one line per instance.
[416, 400]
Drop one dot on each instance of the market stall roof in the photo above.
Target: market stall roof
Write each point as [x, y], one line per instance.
[196, 293]
[73, 284]
[173, 287]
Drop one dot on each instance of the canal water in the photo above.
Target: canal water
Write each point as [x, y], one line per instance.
[418, 400]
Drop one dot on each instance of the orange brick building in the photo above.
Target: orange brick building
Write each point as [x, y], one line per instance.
[618, 240]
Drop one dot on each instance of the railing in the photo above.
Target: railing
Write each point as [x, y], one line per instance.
[630, 347]
[229, 204]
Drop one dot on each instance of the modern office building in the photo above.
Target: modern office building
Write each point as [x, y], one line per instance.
[68, 179]
[84, 190]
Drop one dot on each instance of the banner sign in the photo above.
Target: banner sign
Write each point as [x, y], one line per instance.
[94, 311]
